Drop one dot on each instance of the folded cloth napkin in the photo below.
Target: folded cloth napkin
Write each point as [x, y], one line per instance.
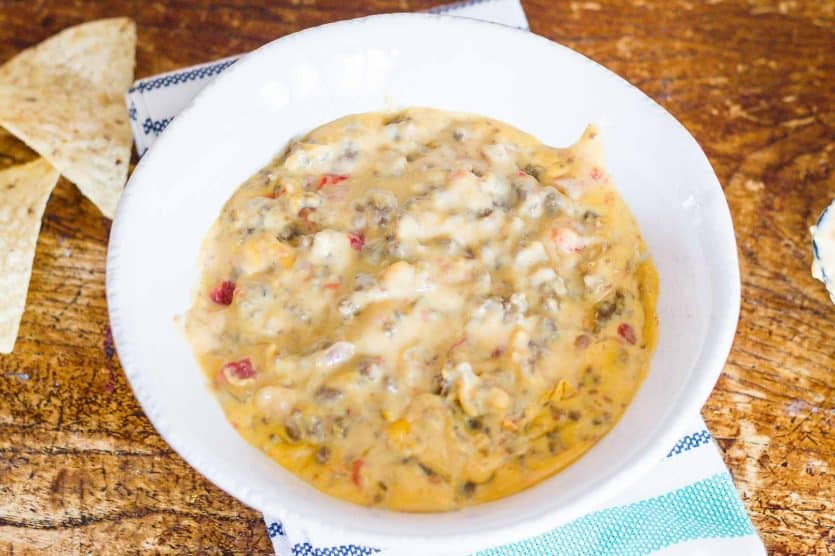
[686, 505]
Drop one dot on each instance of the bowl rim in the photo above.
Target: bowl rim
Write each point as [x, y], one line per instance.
[695, 390]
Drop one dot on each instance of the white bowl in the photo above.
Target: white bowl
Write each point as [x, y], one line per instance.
[300, 81]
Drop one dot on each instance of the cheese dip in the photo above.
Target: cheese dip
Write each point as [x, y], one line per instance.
[425, 310]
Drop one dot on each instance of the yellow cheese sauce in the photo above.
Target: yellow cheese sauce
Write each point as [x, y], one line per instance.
[425, 310]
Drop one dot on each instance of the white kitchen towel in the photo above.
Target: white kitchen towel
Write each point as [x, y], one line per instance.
[687, 505]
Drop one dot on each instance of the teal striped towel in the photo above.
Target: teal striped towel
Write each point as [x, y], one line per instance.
[687, 505]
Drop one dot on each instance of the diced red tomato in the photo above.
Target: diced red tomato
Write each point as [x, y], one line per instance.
[626, 332]
[330, 179]
[496, 353]
[223, 293]
[332, 285]
[240, 369]
[356, 468]
[357, 240]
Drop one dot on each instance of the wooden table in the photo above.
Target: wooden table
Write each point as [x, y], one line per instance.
[82, 469]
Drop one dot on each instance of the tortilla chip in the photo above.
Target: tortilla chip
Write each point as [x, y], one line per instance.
[24, 191]
[13, 151]
[65, 99]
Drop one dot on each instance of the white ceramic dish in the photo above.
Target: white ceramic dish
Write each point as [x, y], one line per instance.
[303, 80]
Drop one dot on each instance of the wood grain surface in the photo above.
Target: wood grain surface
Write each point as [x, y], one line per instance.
[83, 471]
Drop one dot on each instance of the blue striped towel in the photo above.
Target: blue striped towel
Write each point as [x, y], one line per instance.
[686, 506]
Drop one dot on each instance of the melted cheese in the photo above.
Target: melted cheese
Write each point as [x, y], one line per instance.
[430, 310]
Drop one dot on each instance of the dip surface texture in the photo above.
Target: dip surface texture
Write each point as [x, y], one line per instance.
[425, 310]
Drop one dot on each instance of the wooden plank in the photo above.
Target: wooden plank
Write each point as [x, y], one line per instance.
[81, 468]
